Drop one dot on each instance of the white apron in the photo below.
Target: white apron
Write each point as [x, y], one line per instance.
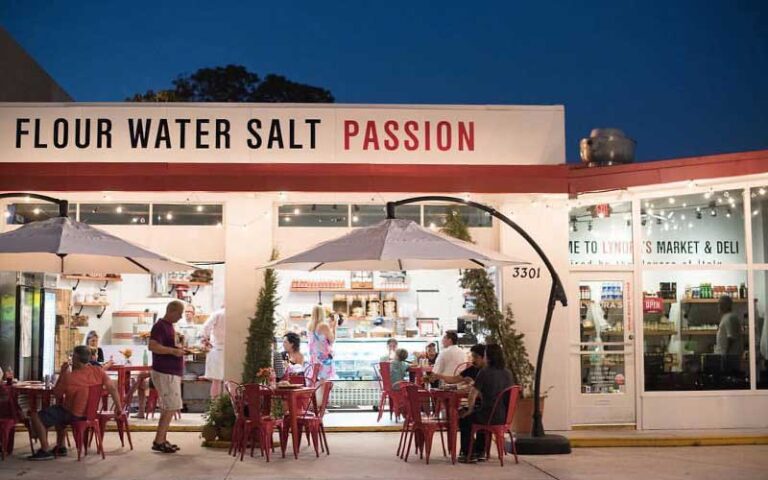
[214, 364]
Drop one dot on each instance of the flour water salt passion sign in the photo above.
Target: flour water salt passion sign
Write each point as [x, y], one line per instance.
[268, 133]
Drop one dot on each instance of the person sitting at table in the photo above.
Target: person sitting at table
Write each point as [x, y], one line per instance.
[74, 386]
[97, 354]
[430, 353]
[391, 351]
[398, 368]
[292, 353]
[468, 375]
[451, 356]
[489, 383]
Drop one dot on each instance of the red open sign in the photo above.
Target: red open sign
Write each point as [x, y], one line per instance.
[653, 305]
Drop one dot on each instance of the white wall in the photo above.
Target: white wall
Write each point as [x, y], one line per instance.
[248, 244]
[528, 298]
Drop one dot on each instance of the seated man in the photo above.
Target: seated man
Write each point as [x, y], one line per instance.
[451, 356]
[489, 384]
[398, 369]
[477, 352]
[74, 387]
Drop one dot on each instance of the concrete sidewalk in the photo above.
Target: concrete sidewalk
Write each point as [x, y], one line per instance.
[372, 456]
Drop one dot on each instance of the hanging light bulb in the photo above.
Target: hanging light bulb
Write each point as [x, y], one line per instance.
[708, 195]
[755, 212]
[36, 211]
[119, 209]
[671, 200]
[690, 225]
[200, 208]
[169, 216]
[761, 191]
[682, 216]
[728, 213]
[297, 211]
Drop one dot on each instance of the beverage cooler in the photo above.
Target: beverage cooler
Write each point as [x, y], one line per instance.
[28, 324]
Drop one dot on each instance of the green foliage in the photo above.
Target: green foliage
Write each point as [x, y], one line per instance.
[220, 412]
[499, 328]
[455, 226]
[234, 83]
[261, 331]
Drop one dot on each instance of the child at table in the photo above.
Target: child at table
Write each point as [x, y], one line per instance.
[398, 368]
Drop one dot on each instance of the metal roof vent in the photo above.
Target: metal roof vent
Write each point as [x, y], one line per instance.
[607, 146]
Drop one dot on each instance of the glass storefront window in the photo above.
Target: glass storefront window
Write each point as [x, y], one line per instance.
[699, 229]
[761, 329]
[21, 213]
[759, 216]
[694, 340]
[187, 214]
[435, 216]
[601, 234]
[314, 215]
[601, 332]
[366, 215]
[114, 213]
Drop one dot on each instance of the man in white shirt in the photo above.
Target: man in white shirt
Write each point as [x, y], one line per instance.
[451, 356]
[213, 340]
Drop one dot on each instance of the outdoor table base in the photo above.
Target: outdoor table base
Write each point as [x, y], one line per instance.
[291, 396]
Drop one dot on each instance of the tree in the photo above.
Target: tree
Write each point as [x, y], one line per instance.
[234, 83]
[261, 331]
[499, 328]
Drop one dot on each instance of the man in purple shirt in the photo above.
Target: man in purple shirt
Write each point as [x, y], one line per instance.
[167, 370]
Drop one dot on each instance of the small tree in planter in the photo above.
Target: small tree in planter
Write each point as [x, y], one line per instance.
[499, 328]
[261, 332]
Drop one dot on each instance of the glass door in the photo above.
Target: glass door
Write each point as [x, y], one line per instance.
[602, 350]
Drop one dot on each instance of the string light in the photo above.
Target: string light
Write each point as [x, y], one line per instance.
[761, 191]
[672, 200]
[36, 211]
[169, 216]
[119, 209]
[297, 211]
[200, 208]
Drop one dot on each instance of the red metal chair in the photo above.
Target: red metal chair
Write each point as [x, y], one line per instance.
[499, 431]
[151, 406]
[460, 368]
[311, 373]
[385, 383]
[83, 429]
[10, 416]
[398, 390]
[419, 402]
[235, 392]
[123, 428]
[259, 423]
[312, 421]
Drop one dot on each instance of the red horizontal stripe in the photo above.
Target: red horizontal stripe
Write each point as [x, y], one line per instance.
[339, 177]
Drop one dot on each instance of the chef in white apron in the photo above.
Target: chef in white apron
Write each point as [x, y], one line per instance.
[213, 339]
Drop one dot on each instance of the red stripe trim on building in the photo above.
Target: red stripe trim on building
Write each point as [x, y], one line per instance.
[244, 177]
[230, 177]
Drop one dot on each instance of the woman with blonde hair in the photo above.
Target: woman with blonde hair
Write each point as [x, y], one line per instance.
[321, 337]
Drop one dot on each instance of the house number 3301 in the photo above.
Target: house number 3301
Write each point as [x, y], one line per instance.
[526, 272]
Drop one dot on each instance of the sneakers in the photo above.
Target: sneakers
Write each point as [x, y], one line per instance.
[40, 455]
[464, 459]
[60, 451]
[139, 416]
[165, 447]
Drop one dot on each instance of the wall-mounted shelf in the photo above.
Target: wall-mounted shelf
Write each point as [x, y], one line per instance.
[707, 332]
[659, 333]
[86, 278]
[101, 305]
[187, 283]
[348, 290]
[710, 300]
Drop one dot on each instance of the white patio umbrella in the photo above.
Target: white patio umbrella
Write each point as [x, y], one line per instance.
[63, 245]
[393, 244]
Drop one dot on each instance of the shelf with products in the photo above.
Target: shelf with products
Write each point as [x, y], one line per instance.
[82, 305]
[710, 300]
[88, 278]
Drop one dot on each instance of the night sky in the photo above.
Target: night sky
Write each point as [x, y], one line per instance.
[683, 78]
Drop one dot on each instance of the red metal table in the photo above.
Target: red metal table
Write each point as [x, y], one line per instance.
[34, 392]
[416, 373]
[124, 375]
[451, 400]
[291, 396]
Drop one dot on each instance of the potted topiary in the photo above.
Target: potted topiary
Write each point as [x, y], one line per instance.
[499, 328]
[221, 416]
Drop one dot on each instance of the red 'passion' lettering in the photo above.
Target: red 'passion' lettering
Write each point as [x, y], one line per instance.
[393, 135]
